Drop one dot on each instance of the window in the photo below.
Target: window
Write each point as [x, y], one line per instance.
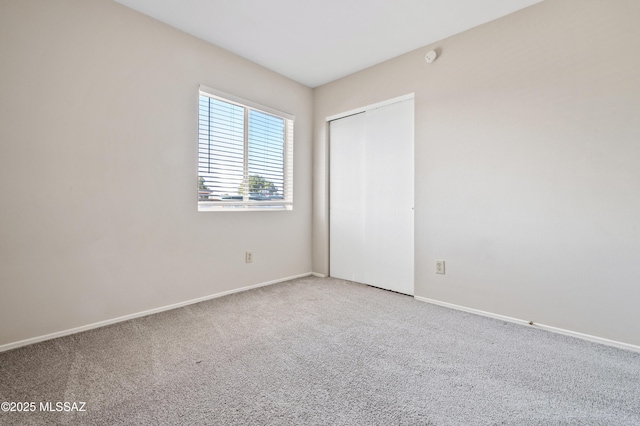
[245, 155]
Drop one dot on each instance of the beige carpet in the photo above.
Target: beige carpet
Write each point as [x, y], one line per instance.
[321, 352]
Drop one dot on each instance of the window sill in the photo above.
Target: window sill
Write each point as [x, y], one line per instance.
[209, 207]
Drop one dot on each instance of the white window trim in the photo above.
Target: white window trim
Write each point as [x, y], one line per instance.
[223, 96]
[224, 206]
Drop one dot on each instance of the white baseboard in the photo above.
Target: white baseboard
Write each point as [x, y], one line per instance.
[583, 336]
[315, 274]
[99, 324]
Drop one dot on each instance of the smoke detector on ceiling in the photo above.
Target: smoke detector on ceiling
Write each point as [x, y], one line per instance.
[431, 56]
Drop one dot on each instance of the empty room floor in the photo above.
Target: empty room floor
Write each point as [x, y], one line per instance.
[320, 351]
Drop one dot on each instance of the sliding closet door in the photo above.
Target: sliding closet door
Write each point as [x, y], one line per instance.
[347, 199]
[371, 197]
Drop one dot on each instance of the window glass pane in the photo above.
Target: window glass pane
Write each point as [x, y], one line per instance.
[220, 149]
[266, 156]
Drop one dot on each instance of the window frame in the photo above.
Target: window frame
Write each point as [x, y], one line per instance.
[288, 144]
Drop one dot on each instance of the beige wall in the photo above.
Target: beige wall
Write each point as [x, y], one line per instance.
[98, 147]
[527, 147]
[527, 133]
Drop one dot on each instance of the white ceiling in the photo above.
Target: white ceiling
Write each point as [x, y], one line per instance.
[317, 41]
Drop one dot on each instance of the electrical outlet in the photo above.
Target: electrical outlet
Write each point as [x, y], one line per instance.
[439, 266]
[248, 257]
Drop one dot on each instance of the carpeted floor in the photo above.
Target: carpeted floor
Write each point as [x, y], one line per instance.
[316, 351]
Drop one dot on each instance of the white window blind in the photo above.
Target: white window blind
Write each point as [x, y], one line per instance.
[245, 155]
